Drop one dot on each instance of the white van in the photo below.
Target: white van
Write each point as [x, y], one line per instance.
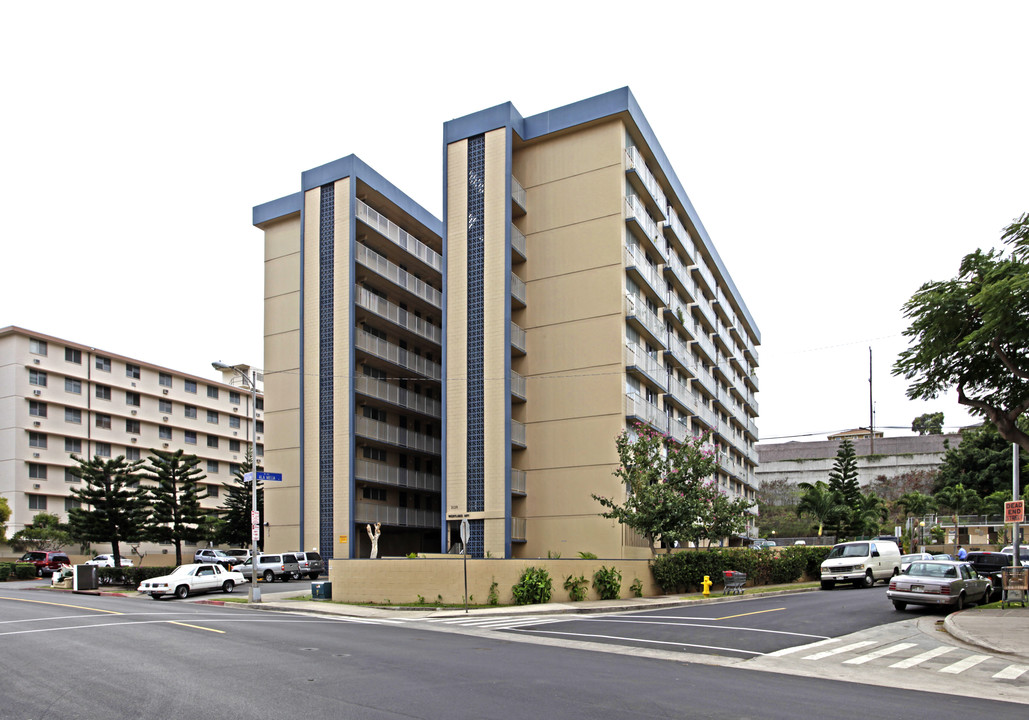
[861, 563]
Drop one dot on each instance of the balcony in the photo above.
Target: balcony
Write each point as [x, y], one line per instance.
[703, 343]
[706, 380]
[518, 482]
[677, 430]
[643, 226]
[649, 367]
[398, 396]
[397, 356]
[518, 206]
[643, 272]
[681, 278]
[706, 276]
[517, 292]
[681, 396]
[396, 436]
[645, 183]
[517, 339]
[517, 246]
[645, 319]
[401, 278]
[702, 310]
[399, 237]
[679, 352]
[751, 352]
[723, 308]
[517, 529]
[639, 408]
[518, 387]
[681, 236]
[398, 477]
[518, 435]
[401, 318]
[370, 513]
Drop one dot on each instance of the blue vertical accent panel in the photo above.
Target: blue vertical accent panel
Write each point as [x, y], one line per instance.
[476, 405]
[326, 240]
[476, 538]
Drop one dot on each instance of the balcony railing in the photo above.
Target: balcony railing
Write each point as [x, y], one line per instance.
[518, 194]
[399, 237]
[401, 278]
[634, 210]
[636, 406]
[385, 350]
[682, 394]
[395, 314]
[517, 338]
[705, 344]
[635, 259]
[677, 430]
[634, 162]
[518, 289]
[706, 379]
[518, 385]
[368, 513]
[679, 351]
[682, 235]
[394, 395]
[517, 529]
[518, 241]
[518, 434]
[518, 481]
[635, 307]
[396, 476]
[682, 274]
[648, 365]
[398, 436]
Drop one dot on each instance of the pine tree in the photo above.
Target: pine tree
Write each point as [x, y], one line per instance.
[175, 514]
[843, 480]
[113, 508]
[234, 529]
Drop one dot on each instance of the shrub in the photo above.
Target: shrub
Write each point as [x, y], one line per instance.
[493, 598]
[533, 587]
[24, 571]
[684, 571]
[5, 571]
[636, 587]
[584, 555]
[608, 583]
[576, 587]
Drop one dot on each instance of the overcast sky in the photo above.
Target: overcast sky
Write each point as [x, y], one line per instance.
[839, 154]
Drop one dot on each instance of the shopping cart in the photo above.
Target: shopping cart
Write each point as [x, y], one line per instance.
[1016, 585]
[734, 582]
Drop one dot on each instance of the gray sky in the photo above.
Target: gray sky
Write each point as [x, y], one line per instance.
[839, 154]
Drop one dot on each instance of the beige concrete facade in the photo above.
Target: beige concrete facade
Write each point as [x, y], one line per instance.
[59, 398]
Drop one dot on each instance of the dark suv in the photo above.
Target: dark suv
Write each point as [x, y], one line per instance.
[991, 565]
[47, 563]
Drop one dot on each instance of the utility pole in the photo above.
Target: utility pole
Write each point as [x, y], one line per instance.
[871, 407]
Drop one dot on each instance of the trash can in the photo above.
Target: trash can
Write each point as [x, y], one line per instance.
[85, 578]
[321, 590]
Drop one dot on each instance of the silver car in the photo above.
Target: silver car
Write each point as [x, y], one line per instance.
[939, 582]
[271, 567]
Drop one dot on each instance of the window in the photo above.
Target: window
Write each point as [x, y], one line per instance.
[260, 450]
[37, 471]
[103, 421]
[212, 392]
[260, 426]
[73, 415]
[212, 416]
[71, 503]
[132, 453]
[132, 371]
[234, 446]
[73, 356]
[164, 379]
[37, 347]
[132, 398]
[103, 392]
[259, 403]
[37, 377]
[164, 406]
[73, 386]
[191, 386]
[103, 363]
[103, 449]
[191, 437]
[212, 490]
[164, 432]
[212, 467]
[36, 502]
[212, 441]
[132, 426]
[234, 421]
[234, 468]
[373, 494]
[373, 453]
[37, 409]
[233, 397]
[374, 413]
[191, 411]
[37, 440]
[73, 445]
[70, 476]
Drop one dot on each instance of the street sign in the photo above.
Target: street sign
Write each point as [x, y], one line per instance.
[255, 517]
[255, 533]
[1014, 511]
[464, 532]
[263, 477]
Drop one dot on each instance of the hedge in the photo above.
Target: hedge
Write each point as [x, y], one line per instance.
[131, 576]
[685, 570]
[17, 571]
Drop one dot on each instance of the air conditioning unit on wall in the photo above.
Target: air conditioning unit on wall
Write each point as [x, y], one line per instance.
[165, 391]
[36, 393]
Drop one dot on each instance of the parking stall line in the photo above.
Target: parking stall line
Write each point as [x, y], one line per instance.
[921, 658]
[962, 665]
[876, 654]
[1011, 672]
[837, 651]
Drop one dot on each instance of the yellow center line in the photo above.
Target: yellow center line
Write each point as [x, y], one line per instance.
[196, 627]
[44, 602]
[729, 617]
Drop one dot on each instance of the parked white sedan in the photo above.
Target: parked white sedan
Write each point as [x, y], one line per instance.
[186, 580]
[108, 561]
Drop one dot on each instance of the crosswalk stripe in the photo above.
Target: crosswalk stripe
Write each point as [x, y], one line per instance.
[965, 664]
[798, 648]
[876, 654]
[837, 651]
[921, 657]
[1011, 672]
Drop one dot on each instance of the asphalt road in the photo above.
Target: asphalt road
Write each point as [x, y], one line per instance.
[75, 656]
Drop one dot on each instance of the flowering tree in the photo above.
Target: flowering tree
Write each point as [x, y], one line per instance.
[670, 492]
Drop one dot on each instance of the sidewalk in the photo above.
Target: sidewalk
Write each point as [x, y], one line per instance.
[1004, 632]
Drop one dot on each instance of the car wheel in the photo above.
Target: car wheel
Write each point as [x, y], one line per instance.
[869, 580]
[269, 576]
[826, 584]
[987, 596]
[39, 572]
[155, 596]
[295, 576]
[960, 604]
[228, 586]
[182, 592]
[899, 605]
[314, 576]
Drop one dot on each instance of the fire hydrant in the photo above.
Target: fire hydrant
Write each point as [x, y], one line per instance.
[707, 584]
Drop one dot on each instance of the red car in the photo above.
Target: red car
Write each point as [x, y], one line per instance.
[46, 563]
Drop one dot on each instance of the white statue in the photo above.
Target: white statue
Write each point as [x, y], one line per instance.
[374, 538]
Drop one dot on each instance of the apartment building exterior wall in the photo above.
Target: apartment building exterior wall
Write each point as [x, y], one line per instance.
[59, 398]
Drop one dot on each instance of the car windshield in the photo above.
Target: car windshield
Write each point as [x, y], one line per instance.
[32, 557]
[843, 551]
[911, 558]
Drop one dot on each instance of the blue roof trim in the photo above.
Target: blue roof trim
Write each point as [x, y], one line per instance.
[278, 208]
[584, 111]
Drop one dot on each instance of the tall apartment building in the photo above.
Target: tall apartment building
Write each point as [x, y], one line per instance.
[59, 398]
[581, 293]
[353, 364]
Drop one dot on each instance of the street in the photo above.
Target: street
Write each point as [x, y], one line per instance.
[81, 656]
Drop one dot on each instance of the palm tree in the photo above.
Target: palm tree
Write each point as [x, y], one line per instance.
[958, 499]
[870, 512]
[819, 501]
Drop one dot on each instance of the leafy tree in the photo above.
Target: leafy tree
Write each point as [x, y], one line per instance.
[777, 502]
[234, 529]
[113, 509]
[670, 497]
[958, 499]
[993, 504]
[175, 515]
[5, 515]
[981, 461]
[971, 333]
[823, 504]
[928, 424]
[843, 480]
[45, 532]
